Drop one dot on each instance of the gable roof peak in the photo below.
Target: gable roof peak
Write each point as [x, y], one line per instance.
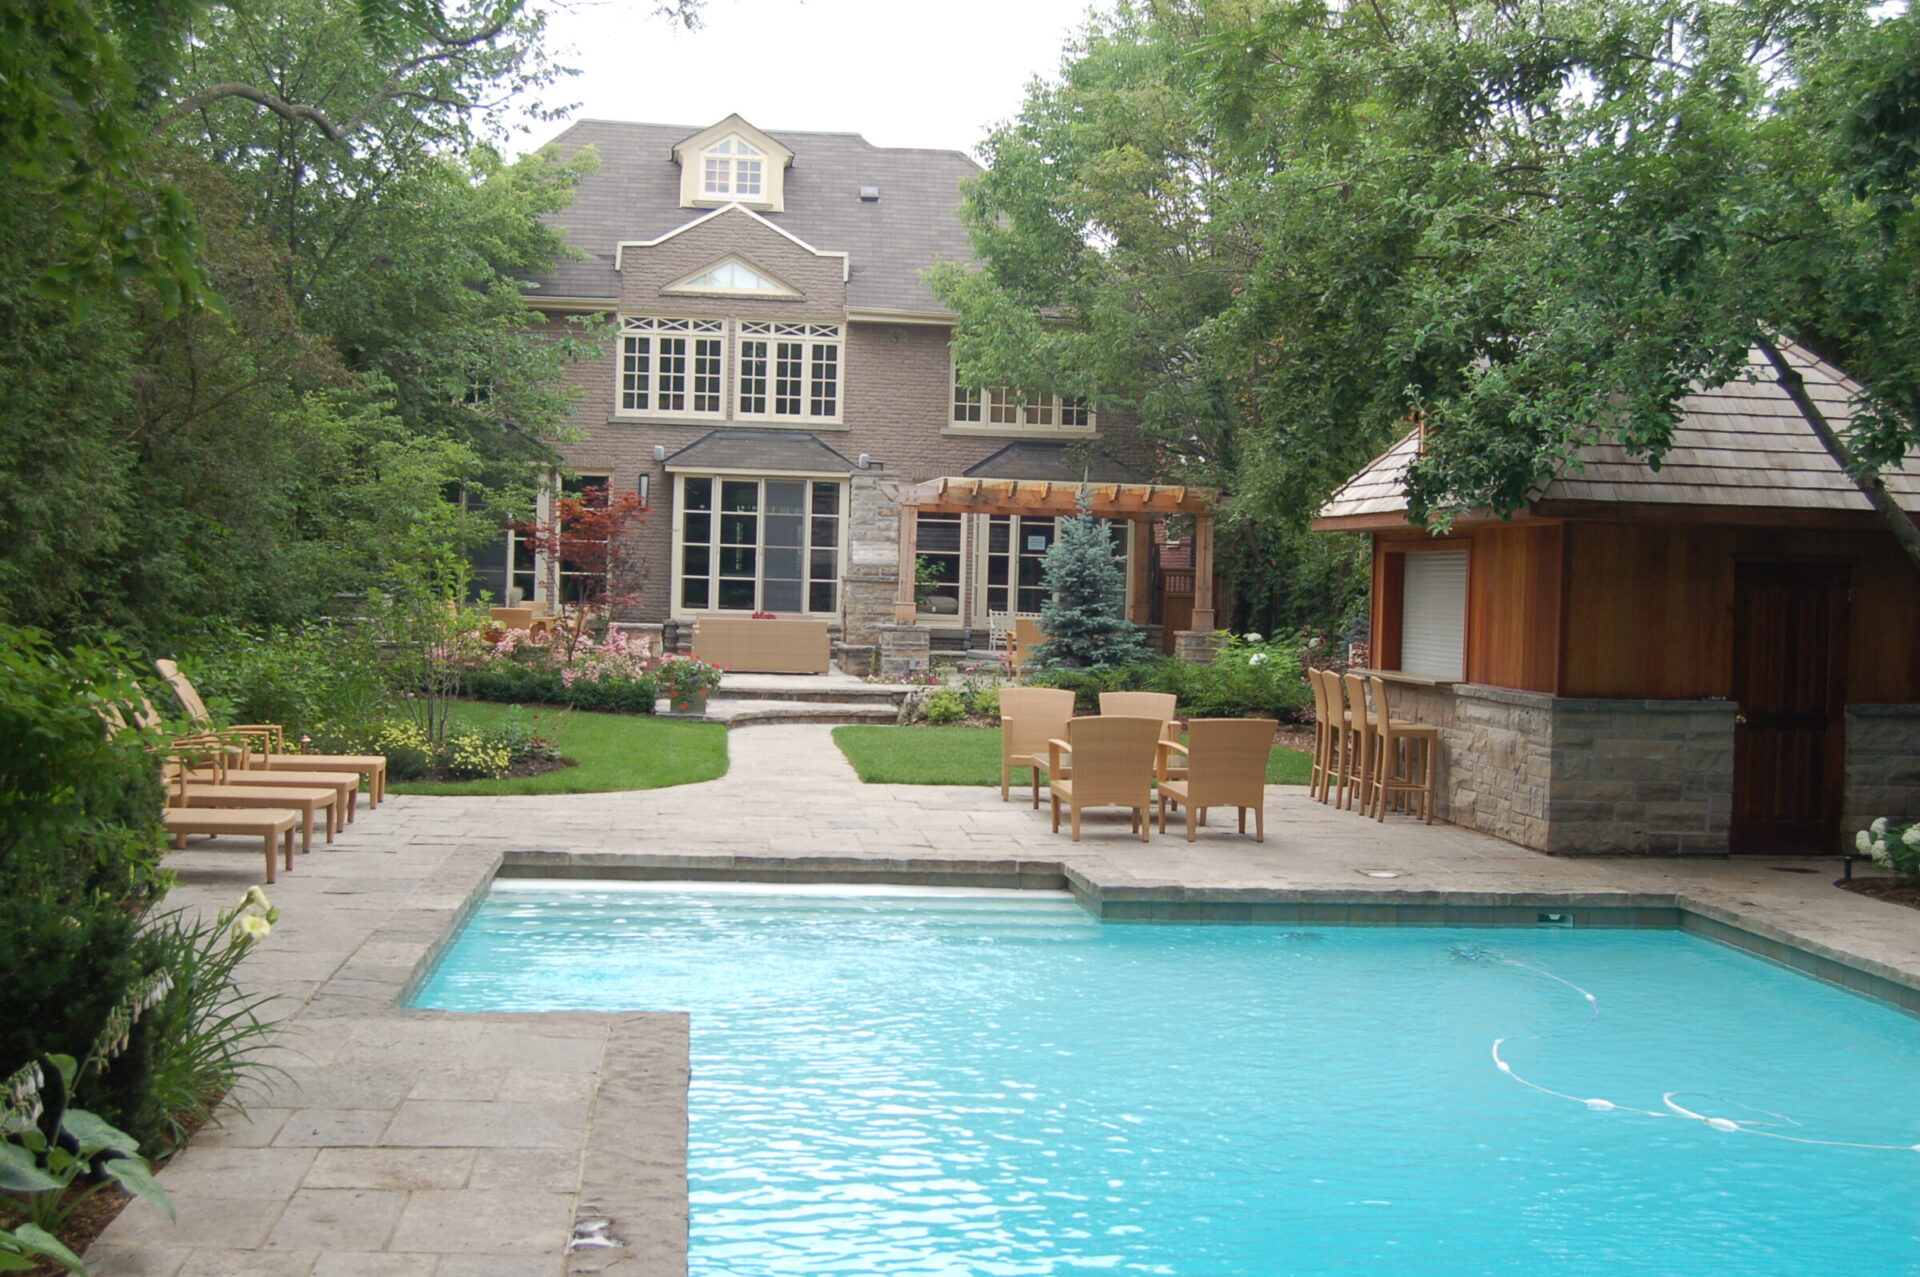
[734, 125]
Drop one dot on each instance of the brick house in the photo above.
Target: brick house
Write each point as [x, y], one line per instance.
[1719, 655]
[781, 373]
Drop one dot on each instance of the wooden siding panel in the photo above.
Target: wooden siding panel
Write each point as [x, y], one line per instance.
[1514, 607]
[1649, 608]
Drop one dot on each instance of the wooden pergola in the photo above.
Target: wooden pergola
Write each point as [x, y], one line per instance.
[1135, 502]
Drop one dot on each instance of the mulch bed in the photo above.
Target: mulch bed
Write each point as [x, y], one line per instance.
[525, 767]
[1897, 891]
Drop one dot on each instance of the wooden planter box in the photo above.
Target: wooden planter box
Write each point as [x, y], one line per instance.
[779, 646]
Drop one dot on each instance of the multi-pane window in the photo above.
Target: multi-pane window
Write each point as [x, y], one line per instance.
[789, 371]
[1016, 556]
[1017, 411]
[937, 541]
[673, 367]
[732, 168]
[760, 545]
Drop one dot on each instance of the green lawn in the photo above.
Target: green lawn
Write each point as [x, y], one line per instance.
[971, 756]
[614, 751]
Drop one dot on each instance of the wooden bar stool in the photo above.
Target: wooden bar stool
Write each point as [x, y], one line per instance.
[1363, 745]
[1320, 778]
[1399, 744]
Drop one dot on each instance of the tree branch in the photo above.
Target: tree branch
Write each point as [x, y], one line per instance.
[1874, 488]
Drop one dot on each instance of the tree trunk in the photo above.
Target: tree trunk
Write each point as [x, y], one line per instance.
[1871, 485]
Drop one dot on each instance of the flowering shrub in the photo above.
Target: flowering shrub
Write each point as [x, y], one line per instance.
[477, 756]
[613, 673]
[404, 743]
[1892, 846]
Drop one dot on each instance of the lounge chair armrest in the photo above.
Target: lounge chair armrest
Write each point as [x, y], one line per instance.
[268, 732]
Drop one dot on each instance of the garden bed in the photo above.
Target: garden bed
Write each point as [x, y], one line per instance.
[1896, 891]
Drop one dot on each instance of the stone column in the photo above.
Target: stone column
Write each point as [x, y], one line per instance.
[904, 650]
[873, 563]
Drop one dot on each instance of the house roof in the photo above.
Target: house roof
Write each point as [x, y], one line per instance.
[635, 195]
[1741, 446]
[760, 451]
[1052, 462]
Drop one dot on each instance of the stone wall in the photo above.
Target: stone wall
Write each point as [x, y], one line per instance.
[1883, 766]
[872, 580]
[1580, 777]
[1641, 777]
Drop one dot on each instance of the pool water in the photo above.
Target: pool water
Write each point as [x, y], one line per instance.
[998, 1084]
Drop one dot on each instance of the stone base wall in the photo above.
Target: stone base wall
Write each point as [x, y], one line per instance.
[1883, 766]
[1580, 777]
[1198, 646]
[1641, 777]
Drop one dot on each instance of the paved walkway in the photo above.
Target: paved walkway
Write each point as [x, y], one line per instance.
[446, 1145]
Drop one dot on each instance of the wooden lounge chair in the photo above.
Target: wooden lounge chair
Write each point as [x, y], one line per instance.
[1029, 718]
[1112, 760]
[266, 742]
[1226, 767]
[269, 826]
[290, 795]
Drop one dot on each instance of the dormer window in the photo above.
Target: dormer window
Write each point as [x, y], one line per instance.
[732, 162]
[733, 170]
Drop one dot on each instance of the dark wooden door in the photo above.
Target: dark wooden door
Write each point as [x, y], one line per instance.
[1790, 681]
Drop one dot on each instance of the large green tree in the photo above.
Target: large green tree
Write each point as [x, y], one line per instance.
[1278, 229]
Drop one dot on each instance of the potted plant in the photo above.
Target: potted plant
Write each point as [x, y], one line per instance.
[687, 681]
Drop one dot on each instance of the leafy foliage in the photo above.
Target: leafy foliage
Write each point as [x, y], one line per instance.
[79, 805]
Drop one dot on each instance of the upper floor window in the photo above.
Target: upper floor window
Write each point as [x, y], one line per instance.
[781, 372]
[673, 367]
[1010, 411]
[732, 169]
[789, 371]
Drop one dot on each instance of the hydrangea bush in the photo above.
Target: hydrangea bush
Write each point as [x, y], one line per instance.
[1892, 846]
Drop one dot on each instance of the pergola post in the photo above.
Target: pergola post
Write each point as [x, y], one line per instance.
[1140, 611]
[1203, 573]
[905, 610]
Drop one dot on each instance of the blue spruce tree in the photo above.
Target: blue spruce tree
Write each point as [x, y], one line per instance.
[1086, 594]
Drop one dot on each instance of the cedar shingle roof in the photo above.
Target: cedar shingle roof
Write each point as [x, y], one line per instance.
[635, 195]
[1740, 446]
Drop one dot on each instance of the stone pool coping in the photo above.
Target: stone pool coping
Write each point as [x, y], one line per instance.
[468, 1145]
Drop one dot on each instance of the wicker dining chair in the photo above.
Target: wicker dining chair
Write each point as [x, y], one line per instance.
[1029, 718]
[1105, 761]
[1226, 767]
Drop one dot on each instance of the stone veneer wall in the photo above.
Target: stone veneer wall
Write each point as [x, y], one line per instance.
[1883, 766]
[1580, 777]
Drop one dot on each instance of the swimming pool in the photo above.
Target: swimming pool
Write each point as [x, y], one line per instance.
[996, 1083]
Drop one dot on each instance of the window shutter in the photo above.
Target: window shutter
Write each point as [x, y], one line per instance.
[1433, 616]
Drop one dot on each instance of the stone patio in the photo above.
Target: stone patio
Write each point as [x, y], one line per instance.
[451, 1145]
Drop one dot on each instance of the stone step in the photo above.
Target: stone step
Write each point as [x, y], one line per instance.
[743, 713]
[869, 694]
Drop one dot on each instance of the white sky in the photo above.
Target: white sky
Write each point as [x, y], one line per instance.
[927, 73]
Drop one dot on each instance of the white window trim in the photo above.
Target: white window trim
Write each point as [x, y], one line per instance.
[739, 150]
[984, 428]
[657, 326]
[809, 334]
[678, 611]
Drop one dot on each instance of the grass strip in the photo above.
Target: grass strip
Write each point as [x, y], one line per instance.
[614, 752]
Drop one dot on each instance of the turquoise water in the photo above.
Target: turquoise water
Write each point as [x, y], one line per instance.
[996, 1085]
